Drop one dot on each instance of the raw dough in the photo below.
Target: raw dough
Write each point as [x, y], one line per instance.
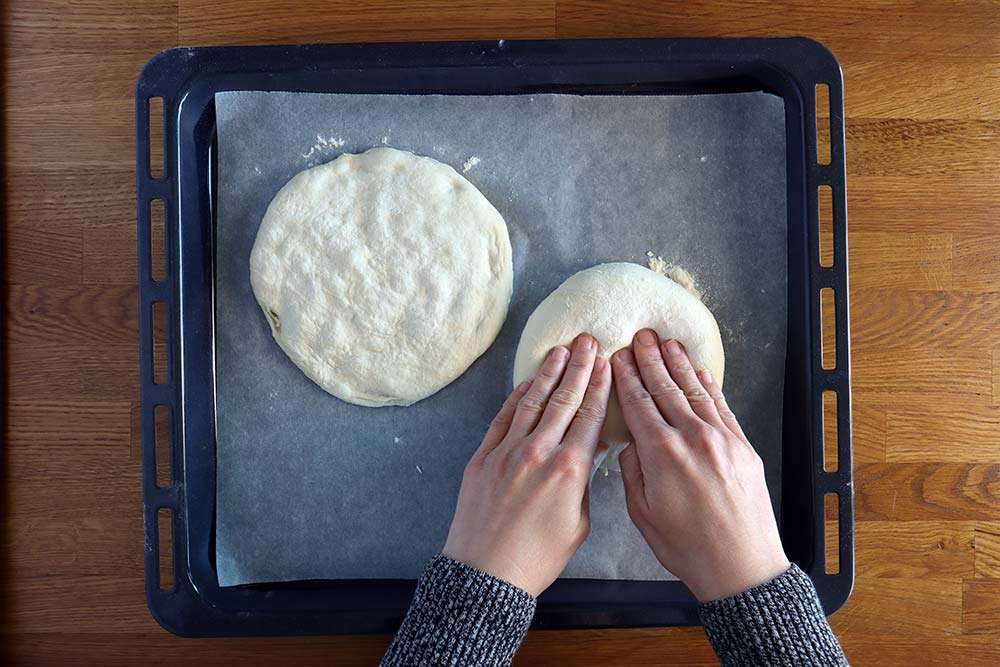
[383, 275]
[612, 302]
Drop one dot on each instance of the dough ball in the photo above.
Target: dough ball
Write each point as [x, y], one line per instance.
[612, 302]
[383, 275]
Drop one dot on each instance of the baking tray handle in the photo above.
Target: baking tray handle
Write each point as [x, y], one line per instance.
[827, 197]
[159, 345]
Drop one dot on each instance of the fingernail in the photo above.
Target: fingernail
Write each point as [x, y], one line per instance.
[558, 353]
[599, 363]
[583, 342]
[646, 337]
[672, 347]
[623, 356]
[524, 385]
[706, 377]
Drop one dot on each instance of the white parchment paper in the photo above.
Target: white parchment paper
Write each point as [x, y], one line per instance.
[311, 487]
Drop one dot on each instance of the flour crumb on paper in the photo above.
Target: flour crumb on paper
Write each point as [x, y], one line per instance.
[324, 146]
[684, 279]
[656, 263]
[469, 164]
[397, 439]
[675, 273]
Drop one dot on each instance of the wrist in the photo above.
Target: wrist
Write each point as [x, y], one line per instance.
[498, 568]
[737, 579]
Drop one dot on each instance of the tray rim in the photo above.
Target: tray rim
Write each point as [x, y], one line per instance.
[189, 609]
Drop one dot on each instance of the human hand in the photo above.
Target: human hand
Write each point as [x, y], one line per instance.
[524, 506]
[693, 483]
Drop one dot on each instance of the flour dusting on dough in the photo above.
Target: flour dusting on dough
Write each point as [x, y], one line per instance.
[675, 273]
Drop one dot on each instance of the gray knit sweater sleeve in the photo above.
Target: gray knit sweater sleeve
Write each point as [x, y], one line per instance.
[461, 616]
[780, 622]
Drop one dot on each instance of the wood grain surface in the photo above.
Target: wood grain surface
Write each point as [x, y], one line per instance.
[922, 84]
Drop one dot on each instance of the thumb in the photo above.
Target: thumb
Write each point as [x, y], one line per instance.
[599, 456]
[635, 486]
[602, 451]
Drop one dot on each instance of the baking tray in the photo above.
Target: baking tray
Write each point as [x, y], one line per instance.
[191, 602]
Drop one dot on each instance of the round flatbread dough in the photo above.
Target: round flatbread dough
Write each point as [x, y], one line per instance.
[612, 302]
[383, 275]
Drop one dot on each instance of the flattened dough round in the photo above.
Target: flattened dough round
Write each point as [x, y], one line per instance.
[612, 302]
[383, 275]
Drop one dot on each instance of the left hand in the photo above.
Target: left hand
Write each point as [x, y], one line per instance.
[524, 506]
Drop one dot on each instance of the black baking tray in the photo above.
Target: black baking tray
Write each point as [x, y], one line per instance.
[186, 79]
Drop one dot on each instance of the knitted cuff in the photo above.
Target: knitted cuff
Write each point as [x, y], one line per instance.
[780, 622]
[461, 616]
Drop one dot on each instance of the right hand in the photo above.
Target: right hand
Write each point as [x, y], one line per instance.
[693, 483]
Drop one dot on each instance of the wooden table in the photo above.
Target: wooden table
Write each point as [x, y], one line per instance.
[923, 144]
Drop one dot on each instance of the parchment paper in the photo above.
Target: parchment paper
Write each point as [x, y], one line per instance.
[312, 487]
